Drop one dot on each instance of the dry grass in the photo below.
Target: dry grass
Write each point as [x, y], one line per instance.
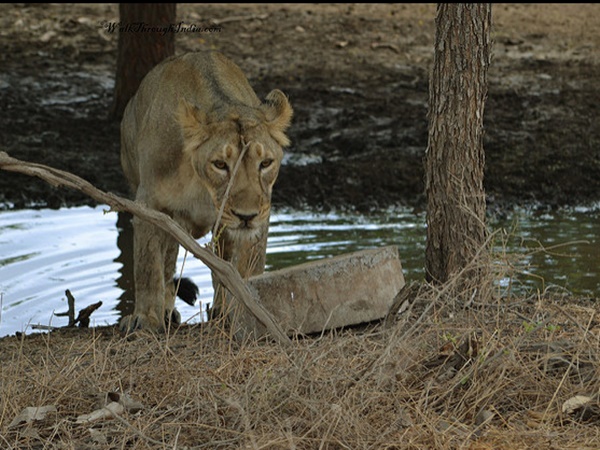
[456, 368]
[493, 375]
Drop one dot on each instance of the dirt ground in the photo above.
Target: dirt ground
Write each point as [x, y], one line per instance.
[357, 76]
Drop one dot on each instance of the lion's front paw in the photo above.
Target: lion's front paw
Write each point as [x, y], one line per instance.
[135, 322]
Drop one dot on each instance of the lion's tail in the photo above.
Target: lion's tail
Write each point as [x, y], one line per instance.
[188, 291]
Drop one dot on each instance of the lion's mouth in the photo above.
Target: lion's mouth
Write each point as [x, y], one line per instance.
[245, 221]
[243, 233]
[240, 225]
[245, 227]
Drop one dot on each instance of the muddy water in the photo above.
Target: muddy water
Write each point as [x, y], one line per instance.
[88, 251]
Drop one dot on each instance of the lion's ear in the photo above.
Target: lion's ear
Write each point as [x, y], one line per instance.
[192, 121]
[278, 112]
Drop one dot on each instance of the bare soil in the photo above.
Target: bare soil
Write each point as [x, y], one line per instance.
[502, 374]
[357, 76]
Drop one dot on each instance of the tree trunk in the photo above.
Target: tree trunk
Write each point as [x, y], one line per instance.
[144, 41]
[454, 163]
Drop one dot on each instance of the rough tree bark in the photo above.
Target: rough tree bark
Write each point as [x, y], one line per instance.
[454, 163]
[143, 43]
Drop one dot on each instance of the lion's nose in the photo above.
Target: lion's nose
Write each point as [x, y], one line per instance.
[246, 218]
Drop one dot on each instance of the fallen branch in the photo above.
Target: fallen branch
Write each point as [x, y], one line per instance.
[71, 311]
[44, 327]
[376, 45]
[83, 318]
[223, 270]
[84, 315]
[71, 303]
[239, 19]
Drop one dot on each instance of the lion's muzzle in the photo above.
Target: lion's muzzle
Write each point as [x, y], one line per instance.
[245, 219]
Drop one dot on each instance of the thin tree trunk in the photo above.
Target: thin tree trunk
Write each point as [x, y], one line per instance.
[144, 41]
[455, 157]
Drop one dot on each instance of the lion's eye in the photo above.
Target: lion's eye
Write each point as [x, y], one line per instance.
[266, 163]
[221, 165]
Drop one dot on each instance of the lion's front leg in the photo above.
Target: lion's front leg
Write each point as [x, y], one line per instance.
[151, 246]
[171, 250]
[247, 255]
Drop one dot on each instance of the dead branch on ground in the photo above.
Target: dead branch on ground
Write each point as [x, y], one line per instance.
[83, 318]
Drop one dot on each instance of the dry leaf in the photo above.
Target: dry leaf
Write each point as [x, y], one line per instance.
[575, 403]
[130, 404]
[47, 36]
[483, 417]
[98, 437]
[32, 413]
[108, 412]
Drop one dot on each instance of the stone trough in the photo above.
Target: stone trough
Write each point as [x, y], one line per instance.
[344, 290]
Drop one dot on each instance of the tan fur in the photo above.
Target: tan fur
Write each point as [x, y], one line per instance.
[181, 137]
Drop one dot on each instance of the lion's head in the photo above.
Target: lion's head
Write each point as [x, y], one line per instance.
[236, 153]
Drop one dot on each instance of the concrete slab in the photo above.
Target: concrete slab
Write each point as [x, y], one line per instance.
[320, 295]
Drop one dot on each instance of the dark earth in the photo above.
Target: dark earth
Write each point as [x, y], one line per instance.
[357, 77]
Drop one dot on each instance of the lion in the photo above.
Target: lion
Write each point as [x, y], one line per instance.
[199, 145]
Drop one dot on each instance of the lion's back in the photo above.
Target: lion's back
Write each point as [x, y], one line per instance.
[208, 79]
